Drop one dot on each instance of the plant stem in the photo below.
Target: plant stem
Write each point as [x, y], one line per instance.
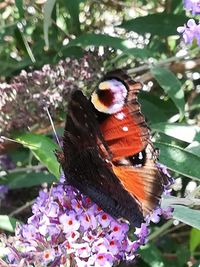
[26, 169]
[160, 230]
[20, 209]
[161, 62]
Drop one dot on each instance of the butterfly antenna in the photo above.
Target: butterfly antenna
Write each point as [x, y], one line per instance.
[52, 125]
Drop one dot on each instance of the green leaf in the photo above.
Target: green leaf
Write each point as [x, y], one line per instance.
[43, 149]
[187, 215]
[177, 6]
[27, 46]
[20, 156]
[92, 39]
[197, 264]
[179, 160]
[171, 85]
[155, 109]
[194, 239]
[8, 223]
[127, 54]
[28, 179]
[186, 133]
[19, 5]
[73, 8]
[183, 255]
[152, 256]
[194, 148]
[138, 53]
[161, 24]
[48, 9]
[72, 51]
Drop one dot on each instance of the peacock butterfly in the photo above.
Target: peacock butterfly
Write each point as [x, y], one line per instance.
[107, 152]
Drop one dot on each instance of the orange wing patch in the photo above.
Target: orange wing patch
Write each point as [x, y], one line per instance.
[125, 133]
[144, 183]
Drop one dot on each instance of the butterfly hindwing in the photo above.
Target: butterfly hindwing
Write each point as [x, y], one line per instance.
[94, 177]
[143, 180]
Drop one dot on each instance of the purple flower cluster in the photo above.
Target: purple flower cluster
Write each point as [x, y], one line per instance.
[190, 31]
[192, 5]
[67, 228]
[23, 99]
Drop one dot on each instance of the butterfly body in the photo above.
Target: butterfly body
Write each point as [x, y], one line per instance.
[107, 150]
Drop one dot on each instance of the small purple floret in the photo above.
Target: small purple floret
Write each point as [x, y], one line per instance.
[190, 32]
[192, 5]
[3, 191]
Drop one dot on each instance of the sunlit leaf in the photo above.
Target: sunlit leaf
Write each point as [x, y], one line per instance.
[92, 39]
[194, 148]
[187, 215]
[186, 133]
[43, 149]
[179, 160]
[8, 223]
[48, 8]
[171, 85]
[194, 239]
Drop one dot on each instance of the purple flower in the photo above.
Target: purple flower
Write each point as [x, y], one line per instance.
[190, 31]
[104, 259]
[192, 5]
[69, 222]
[3, 191]
[67, 225]
[104, 219]
[6, 163]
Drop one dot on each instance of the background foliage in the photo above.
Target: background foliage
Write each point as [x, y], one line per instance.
[81, 40]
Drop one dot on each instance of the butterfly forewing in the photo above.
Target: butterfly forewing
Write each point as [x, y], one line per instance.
[87, 164]
[126, 131]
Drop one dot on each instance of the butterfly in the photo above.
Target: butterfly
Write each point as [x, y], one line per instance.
[107, 151]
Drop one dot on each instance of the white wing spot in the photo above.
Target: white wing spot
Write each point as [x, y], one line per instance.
[120, 116]
[125, 129]
[140, 156]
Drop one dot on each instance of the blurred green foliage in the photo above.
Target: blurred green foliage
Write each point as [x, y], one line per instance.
[141, 37]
